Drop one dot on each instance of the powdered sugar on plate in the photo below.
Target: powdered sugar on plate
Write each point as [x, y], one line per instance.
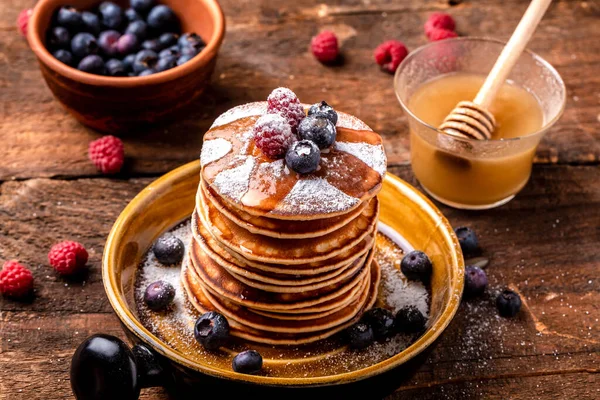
[372, 155]
[315, 196]
[213, 150]
[234, 182]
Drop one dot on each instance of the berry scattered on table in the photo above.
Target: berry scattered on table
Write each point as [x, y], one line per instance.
[107, 154]
[324, 109]
[23, 20]
[168, 250]
[303, 157]
[360, 335]
[68, 257]
[441, 34]
[247, 362]
[390, 54]
[468, 241]
[159, 295]
[285, 102]
[93, 64]
[416, 266]
[318, 129]
[381, 322]
[15, 280]
[273, 135]
[475, 281]
[439, 20]
[410, 320]
[324, 47]
[211, 330]
[508, 303]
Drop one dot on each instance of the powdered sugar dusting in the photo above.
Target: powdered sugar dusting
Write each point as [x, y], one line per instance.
[372, 155]
[239, 112]
[213, 150]
[234, 182]
[274, 168]
[315, 196]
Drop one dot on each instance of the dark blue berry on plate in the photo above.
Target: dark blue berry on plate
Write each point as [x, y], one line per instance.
[128, 44]
[247, 362]
[162, 18]
[91, 23]
[92, 64]
[170, 52]
[69, 18]
[159, 295]
[152, 44]
[168, 249]
[183, 59]
[128, 62]
[325, 109]
[467, 238]
[84, 44]
[475, 281]
[381, 321]
[146, 72]
[165, 63]
[115, 67]
[108, 42]
[416, 266]
[211, 330]
[190, 39]
[132, 15]
[138, 28]
[303, 157]
[111, 14]
[59, 38]
[410, 320]
[64, 56]
[317, 129]
[360, 335]
[142, 6]
[168, 39]
[508, 303]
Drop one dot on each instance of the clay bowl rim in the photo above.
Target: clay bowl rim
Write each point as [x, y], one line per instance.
[46, 7]
[192, 169]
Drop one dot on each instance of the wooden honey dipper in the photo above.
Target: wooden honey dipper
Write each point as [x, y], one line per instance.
[471, 119]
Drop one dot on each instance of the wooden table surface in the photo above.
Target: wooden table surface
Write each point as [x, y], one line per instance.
[545, 243]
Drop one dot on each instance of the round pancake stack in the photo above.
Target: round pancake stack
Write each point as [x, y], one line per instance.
[287, 258]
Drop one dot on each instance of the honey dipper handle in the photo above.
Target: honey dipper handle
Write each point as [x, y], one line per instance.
[511, 52]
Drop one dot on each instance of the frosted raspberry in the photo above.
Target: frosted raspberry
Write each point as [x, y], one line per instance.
[68, 257]
[439, 20]
[324, 46]
[390, 54]
[441, 34]
[15, 280]
[273, 135]
[23, 20]
[285, 102]
[107, 154]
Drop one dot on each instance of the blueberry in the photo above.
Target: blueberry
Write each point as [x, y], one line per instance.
[247, 362]
[159, 295]
[191, 40]
[317, 129]
[168, 39]
[475, 281]
[416, 266]
[112, 15]
[127, 44]
[138, 28]
[360, 335]
[84, 44]
[142, 6]
[91, 23]
[115, 67]
[183, 59]
[132, 15]
[508, 303]
[92, 64]
[59, 38]
[69, 18]
[410, 320]
[146, 72]
[165, 63]
[170, 52]
[64, 56]
[303, 157]
[468, 241]
[381, 321]
[108, 42]
[211, 330]
[325, 109]
[162, 18]
[168, 249]
[128, 62]
[152, 44]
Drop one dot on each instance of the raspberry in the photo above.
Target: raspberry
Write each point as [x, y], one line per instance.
[107, 154]
[439, 20]
[273, 135]
[324, 46]
[285, 102]
[67, 257]
[15, 280]
[441, 34]
[23, 20]
[390, 54]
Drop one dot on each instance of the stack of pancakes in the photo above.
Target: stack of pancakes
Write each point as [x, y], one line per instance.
[287, 258]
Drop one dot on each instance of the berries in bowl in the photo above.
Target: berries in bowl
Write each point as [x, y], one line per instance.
[123, 65]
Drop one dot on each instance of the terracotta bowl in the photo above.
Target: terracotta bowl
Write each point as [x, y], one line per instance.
[170, 199]
[123, 104]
